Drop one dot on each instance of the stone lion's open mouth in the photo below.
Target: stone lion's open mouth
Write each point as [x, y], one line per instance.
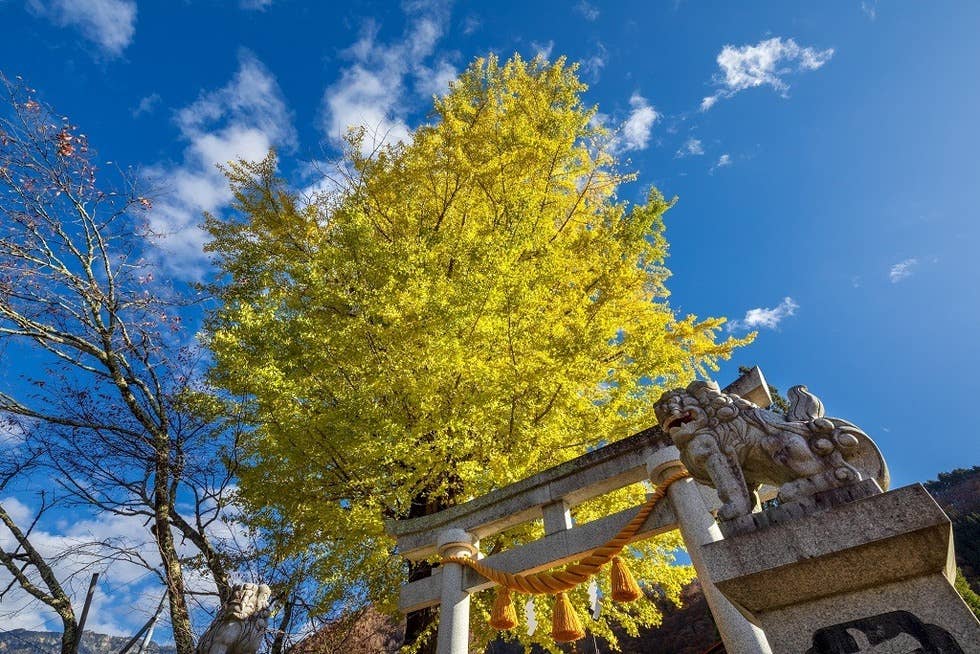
[678, 420]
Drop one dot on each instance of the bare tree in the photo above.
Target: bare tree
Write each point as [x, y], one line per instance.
[28, 568]
[128, 427]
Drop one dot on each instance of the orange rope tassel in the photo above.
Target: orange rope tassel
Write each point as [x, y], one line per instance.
[565, 626]
[503, 616]
[624, 587]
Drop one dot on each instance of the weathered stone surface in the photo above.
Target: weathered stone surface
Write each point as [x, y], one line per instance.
[698, 528]
[240, 625]
[875, 568]
[752, 386]
[785, 512]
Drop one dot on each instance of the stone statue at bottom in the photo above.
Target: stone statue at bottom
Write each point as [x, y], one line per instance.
[240, 624]
[733, 445]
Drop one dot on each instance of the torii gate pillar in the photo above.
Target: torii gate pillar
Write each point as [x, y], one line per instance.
[454, 611]
[698, 527]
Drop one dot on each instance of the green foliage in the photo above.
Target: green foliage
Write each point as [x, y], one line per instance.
[963, 588]
[459, 312]
[953, 490]
[966, 536]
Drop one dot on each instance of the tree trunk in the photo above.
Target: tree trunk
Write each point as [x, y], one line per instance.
[68, 634]
[279, 643]
[55, 597]
[179, 616]
[417, 622]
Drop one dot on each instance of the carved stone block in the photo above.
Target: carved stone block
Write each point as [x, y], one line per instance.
[867, 575]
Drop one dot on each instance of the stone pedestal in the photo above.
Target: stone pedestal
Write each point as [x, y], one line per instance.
[870, 575]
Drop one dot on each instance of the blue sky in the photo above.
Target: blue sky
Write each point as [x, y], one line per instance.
[824, 156]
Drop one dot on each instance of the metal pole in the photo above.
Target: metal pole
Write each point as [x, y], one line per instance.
[88, 603]
[146, 640]
[147, 626]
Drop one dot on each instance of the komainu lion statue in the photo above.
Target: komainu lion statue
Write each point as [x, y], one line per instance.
[240, 624]
[733, 445]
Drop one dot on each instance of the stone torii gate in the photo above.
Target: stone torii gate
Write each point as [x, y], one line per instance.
[837, 559]
[550, 495]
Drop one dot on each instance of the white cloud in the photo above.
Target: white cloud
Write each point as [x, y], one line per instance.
[110, 24]
[593, 65]
[692, 148]
[372, 91]
[435, 80]
[12, 432]
[126, 593]
[146, 105]
[587, 10]
[243, 120]
[708, 102]
[19, 512]
[902, 270]
[255, 5]
[77, 541]
[471, 24]
[543, 50]
[766, 63]
[639, 125]
[764, 317]
[870, 9]
[723, 161]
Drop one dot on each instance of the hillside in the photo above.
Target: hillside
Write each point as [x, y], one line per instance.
[958, 492]
[21, 641]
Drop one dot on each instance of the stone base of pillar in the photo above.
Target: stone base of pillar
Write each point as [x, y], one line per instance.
[874, 574]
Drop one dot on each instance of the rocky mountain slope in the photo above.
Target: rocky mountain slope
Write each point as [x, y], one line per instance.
[21, 641]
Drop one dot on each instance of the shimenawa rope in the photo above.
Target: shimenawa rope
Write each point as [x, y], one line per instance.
[556, 582]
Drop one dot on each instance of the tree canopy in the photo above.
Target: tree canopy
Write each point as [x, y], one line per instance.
[444, 316]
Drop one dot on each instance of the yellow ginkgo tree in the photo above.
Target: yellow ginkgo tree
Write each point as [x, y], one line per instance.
[452, 314]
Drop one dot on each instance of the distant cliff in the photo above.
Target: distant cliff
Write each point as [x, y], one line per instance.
[21, 641]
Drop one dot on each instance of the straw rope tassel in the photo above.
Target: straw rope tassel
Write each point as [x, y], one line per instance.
[565, 626]
[503, 616]
[624, 587]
